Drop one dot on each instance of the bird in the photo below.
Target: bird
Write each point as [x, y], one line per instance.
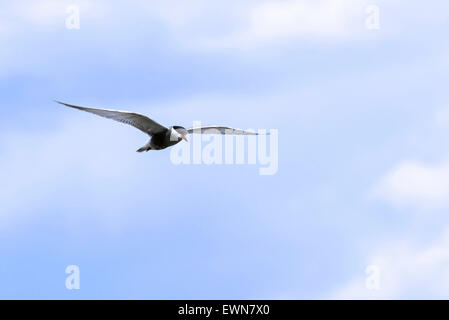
[161, 136]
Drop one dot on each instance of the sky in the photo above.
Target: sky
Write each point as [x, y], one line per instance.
[356, 91]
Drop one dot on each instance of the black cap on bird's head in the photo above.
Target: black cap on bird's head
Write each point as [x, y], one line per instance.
[182, 131]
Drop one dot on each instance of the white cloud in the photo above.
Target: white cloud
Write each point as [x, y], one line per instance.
[253, 24]
[48, 13]
[36, 14]
[407, 270]
[238, 25]
[275, 21]
[40, 13]
[412, 184]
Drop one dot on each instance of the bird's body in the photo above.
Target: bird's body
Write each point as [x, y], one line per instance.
[161, 137]
[160, 140]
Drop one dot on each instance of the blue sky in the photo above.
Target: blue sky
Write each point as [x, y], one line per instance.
[363, 179]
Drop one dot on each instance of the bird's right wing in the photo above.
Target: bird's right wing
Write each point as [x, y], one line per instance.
[136, 120]
[220, 130]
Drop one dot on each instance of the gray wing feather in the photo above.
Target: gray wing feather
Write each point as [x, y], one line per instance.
[136, 120]
[219, 130]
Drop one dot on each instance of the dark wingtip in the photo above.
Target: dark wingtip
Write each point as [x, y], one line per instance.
[60, 102]
[68, 105]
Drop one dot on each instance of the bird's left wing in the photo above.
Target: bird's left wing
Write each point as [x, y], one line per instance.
[220, 130]
[136, 120]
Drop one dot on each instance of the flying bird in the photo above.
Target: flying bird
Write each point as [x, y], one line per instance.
[161, 137]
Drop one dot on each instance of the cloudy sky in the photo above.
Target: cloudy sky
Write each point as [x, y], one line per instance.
[362, 188]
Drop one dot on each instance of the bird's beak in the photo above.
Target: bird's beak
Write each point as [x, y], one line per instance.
[185, 138]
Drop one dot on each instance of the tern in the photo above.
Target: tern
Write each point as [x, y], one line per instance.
[161, 137]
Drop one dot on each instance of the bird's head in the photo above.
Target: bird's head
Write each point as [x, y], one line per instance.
[178, 133]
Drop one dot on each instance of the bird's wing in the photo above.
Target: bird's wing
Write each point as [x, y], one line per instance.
[220, 130]
[139, 121]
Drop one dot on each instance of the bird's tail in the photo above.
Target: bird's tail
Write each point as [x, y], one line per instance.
[144, 149]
